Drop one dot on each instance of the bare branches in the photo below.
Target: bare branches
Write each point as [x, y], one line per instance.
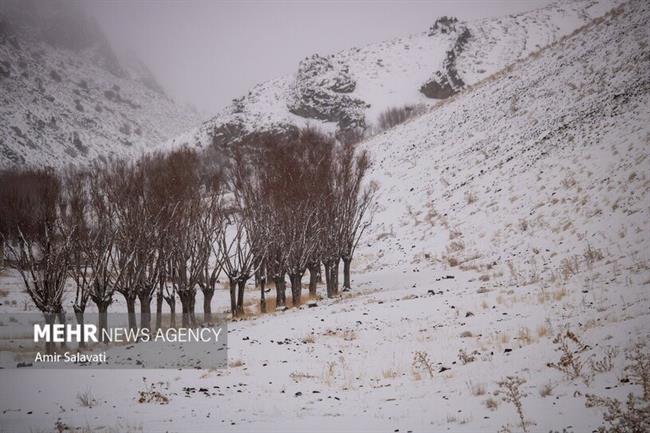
[38, 246]
[509, 390]
[171, 223]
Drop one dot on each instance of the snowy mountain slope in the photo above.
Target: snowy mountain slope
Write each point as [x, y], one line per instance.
[66, 98]
[544, 162]
[351, 88]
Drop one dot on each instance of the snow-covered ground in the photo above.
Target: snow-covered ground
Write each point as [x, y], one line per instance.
[515, 211]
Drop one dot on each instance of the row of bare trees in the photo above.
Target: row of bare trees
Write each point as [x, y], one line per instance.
[170, 224]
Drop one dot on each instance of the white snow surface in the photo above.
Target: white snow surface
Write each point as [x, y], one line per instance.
[530, 189]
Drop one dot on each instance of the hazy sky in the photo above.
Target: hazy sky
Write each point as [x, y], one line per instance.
[209, 52]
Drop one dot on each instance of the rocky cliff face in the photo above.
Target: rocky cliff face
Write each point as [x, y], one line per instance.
[321, 91]
[65, 97]
[447, 81]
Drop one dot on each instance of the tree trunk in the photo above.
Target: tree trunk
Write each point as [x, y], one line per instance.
[346, 273]
[130, 308]
[262, 295]
[159, 305]
[314, 275]
[50, 318]
[145, 310]
[102, 319]
[241, 286]
[233, 297]
[79, 315]
[171, 301]
[296, 288]
[335, 276]
[193, 309]
[280, 297]
[61, 316]
[187, 303]
[208, 293]
[328, 279]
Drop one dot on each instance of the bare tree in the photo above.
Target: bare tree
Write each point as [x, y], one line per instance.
[37, 243]
[125, 192]
[239, 260]
[211, 227]
[355, 201]
[187, 254]
[99, 250]
[75, 212]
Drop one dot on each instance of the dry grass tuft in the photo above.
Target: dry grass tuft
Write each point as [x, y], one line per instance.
[543, 331]
[86, 399]
[477, 389]
[569, 267]
[153, 393]
[236, 363]
[298, 376]
[389, 373]
[546, 390]
[421, 362]
[606, 363]
[491, 403]
[570, 363]
[465, 357]
[510, 393]
[525, 336]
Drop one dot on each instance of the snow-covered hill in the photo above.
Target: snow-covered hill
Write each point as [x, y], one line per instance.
[351, 88]
[508, 214]
[65, 97]
[530, 168]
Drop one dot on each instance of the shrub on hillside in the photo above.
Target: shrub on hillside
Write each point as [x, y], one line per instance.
[396, 115]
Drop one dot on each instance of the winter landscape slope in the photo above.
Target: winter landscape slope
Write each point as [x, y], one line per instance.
[548, 156]
[65, 97]
[512, 212]
[349, 89]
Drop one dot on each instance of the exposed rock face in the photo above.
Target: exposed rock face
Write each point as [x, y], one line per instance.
[320, 92]
[443, 25]
[447, 82]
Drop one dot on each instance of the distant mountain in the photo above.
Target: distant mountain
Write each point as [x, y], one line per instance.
[348, 90]
[65, 97]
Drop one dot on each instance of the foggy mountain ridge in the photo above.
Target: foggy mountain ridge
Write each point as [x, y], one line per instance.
[56, 60]
[67, 97]
[347, 91]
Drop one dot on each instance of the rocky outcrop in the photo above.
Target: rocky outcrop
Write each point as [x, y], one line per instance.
[321, 90]
[447, 82]
[443, 25]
